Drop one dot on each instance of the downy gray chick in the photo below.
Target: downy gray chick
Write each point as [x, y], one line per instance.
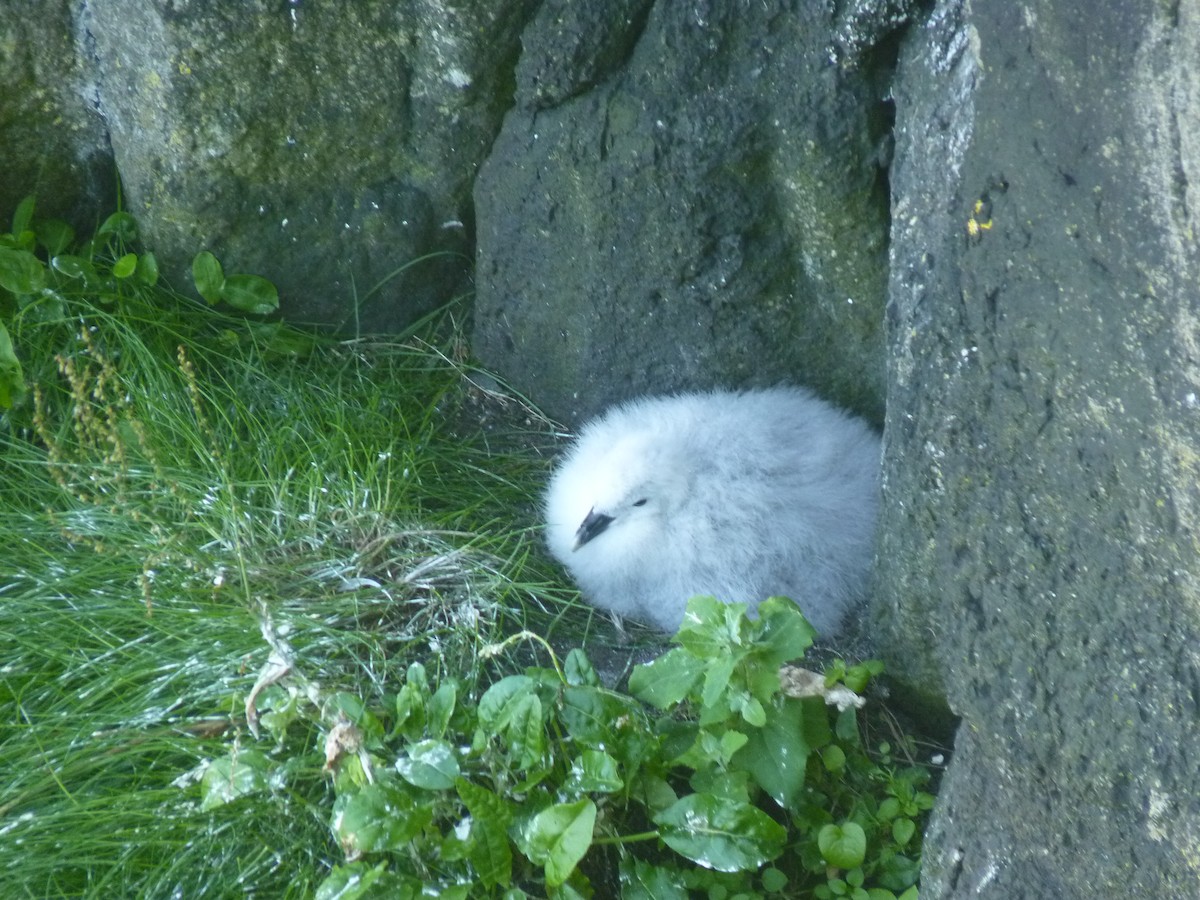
[738, 495]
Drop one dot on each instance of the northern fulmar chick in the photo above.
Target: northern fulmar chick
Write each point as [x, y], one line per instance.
[739, 495]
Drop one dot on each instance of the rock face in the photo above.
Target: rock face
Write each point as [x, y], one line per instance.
[322, 145]
[53, 139]
[1039, 556]
[687, 195]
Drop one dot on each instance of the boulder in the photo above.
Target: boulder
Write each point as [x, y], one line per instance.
[1039, 562]
[686, 196]
[322, 145]
[53, 139]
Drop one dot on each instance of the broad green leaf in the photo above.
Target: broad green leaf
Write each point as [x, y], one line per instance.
[74, 267]
[120, 225]
[498, 701]
[833, 758]
[750, 709]
[21, 272]
[55, 235]
[489, 849]
[579, 671]
[208, 276]
[251, 294]
[244, 771]
[777, 754]
[773, 880]
[903, 830]
[378, 817]
[721, 834]
[843, 846]
[594, 771]
[125, 266]
[147, 269]
[641, 880]
[12, 378]
[526, 732]
[711, 628]
[783, 631]
[595, 716]
[430, 765]
[668, 679]
[559, 836]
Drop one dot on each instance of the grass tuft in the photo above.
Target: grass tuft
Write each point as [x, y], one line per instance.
[174, 480]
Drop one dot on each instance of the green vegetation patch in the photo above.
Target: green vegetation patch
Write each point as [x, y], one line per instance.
[268, 608]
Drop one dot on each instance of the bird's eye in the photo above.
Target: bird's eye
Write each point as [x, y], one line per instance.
[641, 502]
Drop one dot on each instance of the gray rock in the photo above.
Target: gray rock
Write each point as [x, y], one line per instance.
[323, 145]
[692, 197]
[53, 140]
[1038, 561]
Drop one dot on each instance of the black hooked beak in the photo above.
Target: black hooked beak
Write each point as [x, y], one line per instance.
[593, 524]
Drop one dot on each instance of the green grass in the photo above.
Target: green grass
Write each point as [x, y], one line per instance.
[176, 476]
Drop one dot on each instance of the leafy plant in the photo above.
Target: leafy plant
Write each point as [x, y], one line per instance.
[705, 775]
[249, 293]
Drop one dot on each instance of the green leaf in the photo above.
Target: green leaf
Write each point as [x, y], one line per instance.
[833, 758]
[903, 830]
[12, 378]
[773, 880]
[717, 674]
[410, 710]
[712, 629]
[843, 846]
[23, 215]
[244, 771]
[721, 834]
[147, 269]
[558, 837]
[596, 717]
[55, 235]
[377, 818]
[120, 225]
[776, 756]
[641, 880]
[21, 272]
[526, 732]
[430, 765]
[489, 849]
[498, 701]
[750, 709]
[125, 266]
[208, 276]
[783, 631]
[251, 294]
[595, 771]
[74, 267]
[579, 671]
[441, 708]
[668, 679]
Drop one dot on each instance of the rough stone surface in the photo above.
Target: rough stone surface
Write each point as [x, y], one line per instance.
[689, 195]
[53, 141]
[323, 145]
[1038, 559]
